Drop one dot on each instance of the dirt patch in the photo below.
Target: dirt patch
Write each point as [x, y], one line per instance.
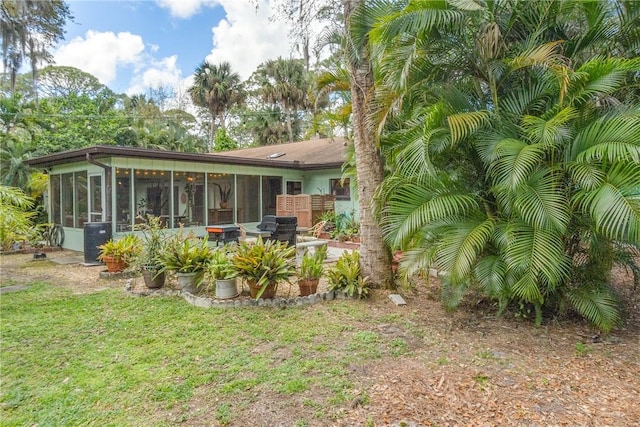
[23, 268]
[461, 368]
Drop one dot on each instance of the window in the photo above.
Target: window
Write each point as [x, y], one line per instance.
[341, 190]
[294, 187]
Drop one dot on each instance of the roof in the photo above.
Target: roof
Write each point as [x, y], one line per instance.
[312, 154]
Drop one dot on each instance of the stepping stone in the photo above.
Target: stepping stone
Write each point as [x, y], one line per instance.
[397, 299]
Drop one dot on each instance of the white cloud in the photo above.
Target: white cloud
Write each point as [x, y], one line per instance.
[247, 37]
[185, 8]
[160, 73]
[100, 54]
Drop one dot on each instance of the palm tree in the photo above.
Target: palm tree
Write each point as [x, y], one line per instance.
[14, 170]
[517, 168]
[376, 257]
[217, 89]
[284, 82]
[332, 95]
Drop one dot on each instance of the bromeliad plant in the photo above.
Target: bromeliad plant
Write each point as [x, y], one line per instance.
[220, 265]
[124, 250]
[185, 255]
[346, 276]
[312, 265]
[267, 262]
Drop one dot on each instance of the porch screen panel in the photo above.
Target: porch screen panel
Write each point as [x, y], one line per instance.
[248, 197]
[152, 192]
[123, 200]
[56, 215]
[81, 199]
[220, 198]
[67, 199]
[271, 188]
[188, 202]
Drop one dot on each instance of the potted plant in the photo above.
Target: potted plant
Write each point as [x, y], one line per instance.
[221, 270]
[153, 239]
[326, 225]
[225, 195]
[264, 265]
[119, 254]
[311, 269]
[187, 257]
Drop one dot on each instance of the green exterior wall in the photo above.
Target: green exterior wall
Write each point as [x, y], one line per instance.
[313, 182]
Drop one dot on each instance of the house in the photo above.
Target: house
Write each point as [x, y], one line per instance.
[114, 185]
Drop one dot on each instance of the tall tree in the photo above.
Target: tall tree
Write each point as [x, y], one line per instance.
[28, 29]
[375, 256]
[285, 83]
[217, 89]
[517, 164]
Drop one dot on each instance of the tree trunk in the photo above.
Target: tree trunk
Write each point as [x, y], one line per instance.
[212, 129]
[375, 256]
[289, 126]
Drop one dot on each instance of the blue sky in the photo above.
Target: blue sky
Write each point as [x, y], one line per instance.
[133, 45]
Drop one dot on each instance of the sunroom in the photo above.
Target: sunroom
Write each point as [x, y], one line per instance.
[118, 186]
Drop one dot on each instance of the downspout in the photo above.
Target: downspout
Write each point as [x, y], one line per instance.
[107, 190]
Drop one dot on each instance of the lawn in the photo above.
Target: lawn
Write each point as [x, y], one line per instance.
[108, 358]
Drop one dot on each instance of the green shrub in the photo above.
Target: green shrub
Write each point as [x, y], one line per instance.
[346, 276]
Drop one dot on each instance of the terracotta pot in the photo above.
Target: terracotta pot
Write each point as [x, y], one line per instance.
[224, 205]
[308, 286]
[114, 265]
[269, 292]
[153, 280]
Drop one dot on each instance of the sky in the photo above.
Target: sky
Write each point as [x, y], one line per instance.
[131, 46]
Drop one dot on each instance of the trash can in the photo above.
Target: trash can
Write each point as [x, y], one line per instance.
[95, 234]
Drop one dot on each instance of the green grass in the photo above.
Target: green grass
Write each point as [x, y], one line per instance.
[111, 359]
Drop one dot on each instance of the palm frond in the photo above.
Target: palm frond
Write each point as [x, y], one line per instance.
[600, 76]
[515, 161]
[490, 272]
[585, 175]
[610, 138]
[536, 253]
[552, 132]
[542, 201]
[416, 205]
[417, 18]
[615, 206]
[597, 303]
[462, 125]
[459, 248]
